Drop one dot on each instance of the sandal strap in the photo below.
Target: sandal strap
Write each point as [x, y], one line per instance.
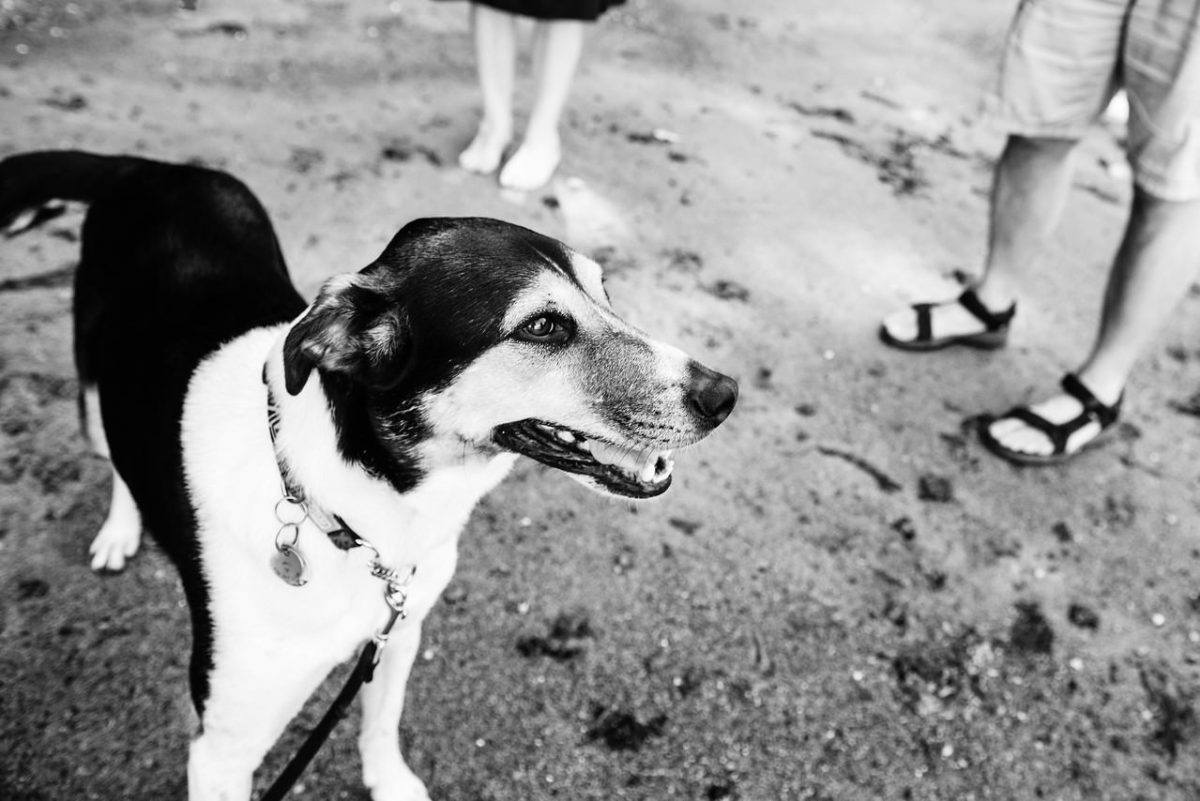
[924, 321]
[1093, 408]
[993, 320]
[1058, 434]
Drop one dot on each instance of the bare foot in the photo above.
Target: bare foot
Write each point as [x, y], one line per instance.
[484, 153]
[532, 165]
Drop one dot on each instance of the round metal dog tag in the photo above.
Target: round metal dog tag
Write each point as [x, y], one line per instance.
[288, 563]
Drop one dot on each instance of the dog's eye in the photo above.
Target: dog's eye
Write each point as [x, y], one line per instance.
[544, 329]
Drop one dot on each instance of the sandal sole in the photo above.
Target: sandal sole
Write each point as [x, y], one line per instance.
[985, 340]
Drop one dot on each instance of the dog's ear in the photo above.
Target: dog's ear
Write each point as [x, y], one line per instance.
[353, 328]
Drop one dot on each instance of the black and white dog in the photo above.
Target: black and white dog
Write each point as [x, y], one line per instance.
[288, 456]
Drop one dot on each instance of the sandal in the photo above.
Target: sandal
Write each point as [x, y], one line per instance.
[1058, 433]
[994, 335]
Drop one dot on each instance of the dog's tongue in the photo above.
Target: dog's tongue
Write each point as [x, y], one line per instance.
[649, 466]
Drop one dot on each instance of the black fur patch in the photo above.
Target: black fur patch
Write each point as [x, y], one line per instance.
[176, 260]
[448, 283]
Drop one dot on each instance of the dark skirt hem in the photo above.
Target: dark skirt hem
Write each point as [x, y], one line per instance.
[583, 10]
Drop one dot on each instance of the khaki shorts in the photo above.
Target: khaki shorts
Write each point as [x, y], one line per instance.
[1065, 59]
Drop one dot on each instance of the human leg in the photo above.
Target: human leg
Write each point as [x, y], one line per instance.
[1028, 197]
[1029, 191]
[1153, 269]
[558, 45]
[1061, 63]
[1157, 260]
[495, 35]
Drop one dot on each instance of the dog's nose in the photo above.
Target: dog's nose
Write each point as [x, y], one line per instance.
[711, 395]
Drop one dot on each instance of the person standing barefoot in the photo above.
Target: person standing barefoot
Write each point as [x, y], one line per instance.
[557, 46]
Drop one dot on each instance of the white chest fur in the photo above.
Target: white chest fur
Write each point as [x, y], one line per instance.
[234, 484]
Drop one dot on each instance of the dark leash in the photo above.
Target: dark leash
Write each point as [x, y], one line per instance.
[290, 565]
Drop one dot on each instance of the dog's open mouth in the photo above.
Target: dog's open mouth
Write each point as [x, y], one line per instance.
[629, 470]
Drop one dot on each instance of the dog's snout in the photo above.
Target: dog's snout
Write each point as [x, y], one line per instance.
[711, 395]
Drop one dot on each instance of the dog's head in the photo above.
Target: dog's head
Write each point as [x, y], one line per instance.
[474, 335]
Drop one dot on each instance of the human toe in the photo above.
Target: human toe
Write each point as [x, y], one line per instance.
[901, 325]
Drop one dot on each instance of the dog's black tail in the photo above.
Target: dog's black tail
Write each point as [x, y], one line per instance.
[30, 183]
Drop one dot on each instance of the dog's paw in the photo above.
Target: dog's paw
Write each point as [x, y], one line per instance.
[117, 541]
[386, 775]
[402, 785]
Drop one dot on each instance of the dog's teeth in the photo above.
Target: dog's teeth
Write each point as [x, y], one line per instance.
[607, 453]
[647, 466]
[658, 467]
[564, 436]
[648, 471]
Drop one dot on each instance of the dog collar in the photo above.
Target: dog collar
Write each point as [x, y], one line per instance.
[339, 533]
[293, 508]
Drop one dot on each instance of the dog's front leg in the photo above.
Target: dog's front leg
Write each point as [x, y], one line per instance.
[384, 770]
[254, 692]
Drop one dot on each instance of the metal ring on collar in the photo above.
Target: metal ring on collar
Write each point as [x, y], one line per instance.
[281, 542]
[291, 502]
